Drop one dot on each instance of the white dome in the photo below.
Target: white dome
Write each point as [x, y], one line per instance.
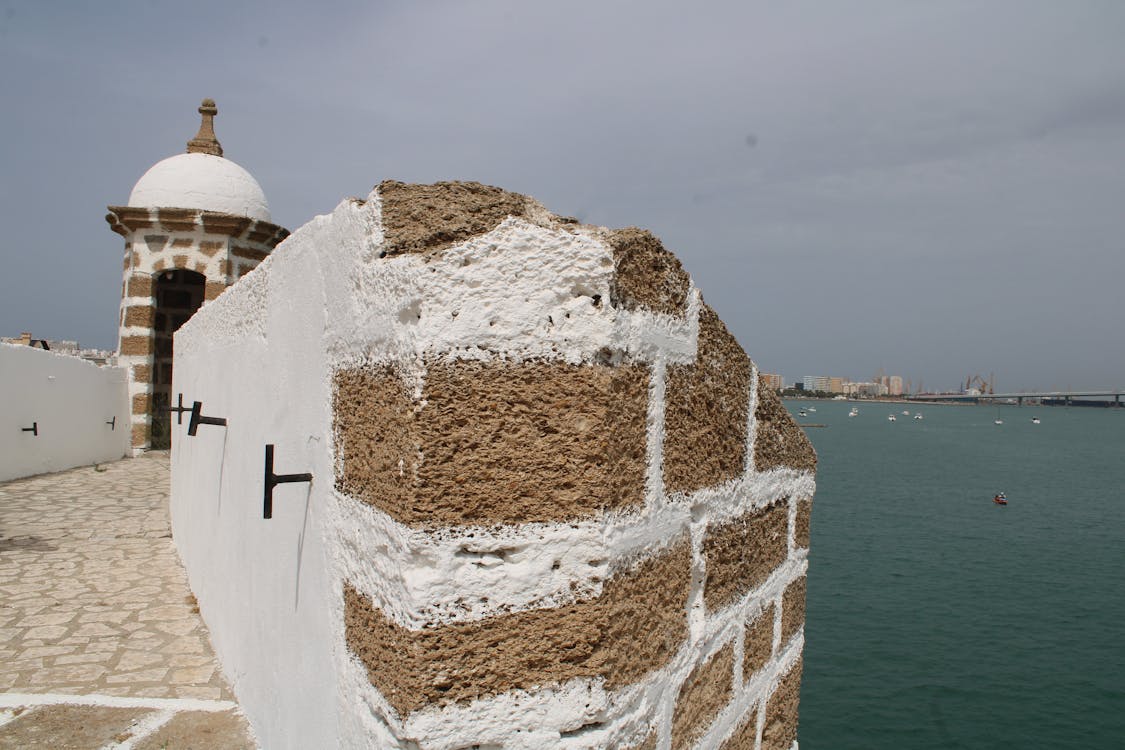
[203, 181]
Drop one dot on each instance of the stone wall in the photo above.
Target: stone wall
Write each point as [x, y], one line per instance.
[551, 506]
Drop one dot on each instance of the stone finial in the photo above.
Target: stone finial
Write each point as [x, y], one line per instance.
[205, 141]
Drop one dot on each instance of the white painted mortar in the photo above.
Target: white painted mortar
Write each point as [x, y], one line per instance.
[263, 356]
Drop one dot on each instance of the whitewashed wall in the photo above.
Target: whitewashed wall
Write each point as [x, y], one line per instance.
[254, 356]
[262, 356]
[71, 399]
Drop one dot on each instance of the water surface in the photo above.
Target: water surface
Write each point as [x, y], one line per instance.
[937, 619]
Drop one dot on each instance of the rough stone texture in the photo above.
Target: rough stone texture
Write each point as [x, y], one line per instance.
[494, 442]
[205, 141]
[422, 218]
[779, 440]
[743, 552]
[211, 247]
[633, 627]
[136, 345]
[645, 274]
[803, 523]
[780, 730]
[758, 643]
[142, 402]
[140, 285]
[142, 373]
[705, 692]
[793, 608]
[232, 226]
[140, 315]
[706, 410]
[201, 730]
[178, 219]
[124, 220]
[649, 742]
[250, 253]
[141, 433]
[69, 727]
[746, 736]
[213, 289]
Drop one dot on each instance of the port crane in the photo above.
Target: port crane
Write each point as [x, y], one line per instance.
[981, 385]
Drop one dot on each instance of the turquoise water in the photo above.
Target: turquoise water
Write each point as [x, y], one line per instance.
[937, 619]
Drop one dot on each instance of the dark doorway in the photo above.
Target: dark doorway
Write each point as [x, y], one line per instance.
[179, 294]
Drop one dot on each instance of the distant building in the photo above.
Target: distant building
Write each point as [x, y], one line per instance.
[24, 339]
[894, 385]
[70, 348]
[836, 385]
[865, 390]
[815, 382]
[771, 380]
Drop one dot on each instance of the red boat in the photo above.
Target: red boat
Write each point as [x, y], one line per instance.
[1000, 499]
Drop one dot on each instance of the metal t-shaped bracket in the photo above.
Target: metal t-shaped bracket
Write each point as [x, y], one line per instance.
[271, 480]
[34, 429]
[197, 419]
[179, 408]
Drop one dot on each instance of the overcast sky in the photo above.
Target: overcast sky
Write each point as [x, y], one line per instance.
[935, 189]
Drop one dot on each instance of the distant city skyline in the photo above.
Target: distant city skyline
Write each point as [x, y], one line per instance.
[921, 187]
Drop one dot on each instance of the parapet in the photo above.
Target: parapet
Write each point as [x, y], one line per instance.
[551, 505]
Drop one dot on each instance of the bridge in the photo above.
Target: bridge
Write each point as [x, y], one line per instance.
[1019, 398]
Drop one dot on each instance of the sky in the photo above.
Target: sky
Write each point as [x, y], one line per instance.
[931, 189]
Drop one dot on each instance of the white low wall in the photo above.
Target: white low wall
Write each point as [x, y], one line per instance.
[71, 400]
[254, 357]
[272, 592]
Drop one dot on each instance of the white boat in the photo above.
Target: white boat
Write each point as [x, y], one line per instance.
[802, 413]
[917, 416]
[998, 421]
[891, 418]
[854, 412]
[906, 412]
[812, 408]
[1035, 420]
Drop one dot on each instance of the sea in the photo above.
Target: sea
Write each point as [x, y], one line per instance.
[939, 619]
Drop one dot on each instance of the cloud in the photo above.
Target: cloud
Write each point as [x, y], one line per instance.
[840, 179]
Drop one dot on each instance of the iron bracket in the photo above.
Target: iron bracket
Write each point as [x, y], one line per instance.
[197, 419]
[179, 408]
[271, 480]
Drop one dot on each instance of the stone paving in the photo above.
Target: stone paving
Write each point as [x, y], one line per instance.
[101, 643]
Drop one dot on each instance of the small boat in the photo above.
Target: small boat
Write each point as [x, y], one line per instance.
[802, 413]
[812, 408]
[854, 412]
[891, 418]
[1000, 499]
[998, 421]
[1035, 420]
[906, 412]
[917, 416]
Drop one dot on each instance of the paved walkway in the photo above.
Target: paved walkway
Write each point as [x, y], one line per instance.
[101, 643]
